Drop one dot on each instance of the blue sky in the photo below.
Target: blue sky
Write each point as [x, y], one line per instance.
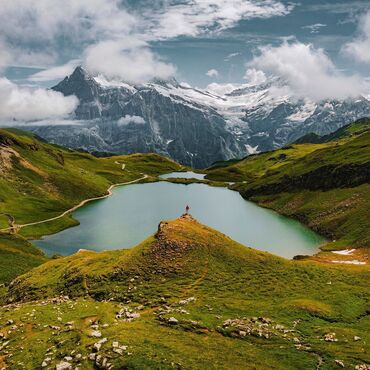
[308, 43]
[195, 55]
[325, 24]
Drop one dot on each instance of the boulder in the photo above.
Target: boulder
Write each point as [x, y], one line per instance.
[172, 321]
[64, 365]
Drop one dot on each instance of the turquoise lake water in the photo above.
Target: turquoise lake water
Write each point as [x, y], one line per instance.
[133, 212]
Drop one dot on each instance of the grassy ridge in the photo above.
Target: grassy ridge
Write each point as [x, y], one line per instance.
[304, 300]
[323, 184]
[17, 256]
[178, 290]
[39, 181]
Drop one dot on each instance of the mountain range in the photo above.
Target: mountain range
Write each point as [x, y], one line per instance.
[196, 127]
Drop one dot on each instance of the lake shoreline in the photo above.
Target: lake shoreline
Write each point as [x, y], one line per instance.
[286, 234]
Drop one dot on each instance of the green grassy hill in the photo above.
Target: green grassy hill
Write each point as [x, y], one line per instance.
[191, 298]
[188, 297]
[323, 184]
[17, 256]
[39, 181]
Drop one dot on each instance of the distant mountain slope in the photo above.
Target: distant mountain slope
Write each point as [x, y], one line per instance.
[156, 117]
[193, 126]
[348, 131]
[39, 181]
[184, 296]
[325, 185]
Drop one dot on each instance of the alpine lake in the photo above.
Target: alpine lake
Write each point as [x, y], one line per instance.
[134, 211]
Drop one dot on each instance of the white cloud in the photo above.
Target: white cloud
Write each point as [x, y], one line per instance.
[111, 40]
[222, 89]
[254, 76]
[40, 32]
[25, 104]
[193, 17]
[128, 59]
[308, 72]
[231, 56]
[34, 29]
[131, 119]
[212, 73]
[44, 122]
[314, 28]
[55, 73]
[359, 48]
[5, 55]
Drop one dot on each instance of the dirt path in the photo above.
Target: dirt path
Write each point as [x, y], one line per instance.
[15, 227]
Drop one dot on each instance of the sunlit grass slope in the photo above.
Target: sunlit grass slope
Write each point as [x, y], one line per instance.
[185, 283]
[39, 181]
[323, 184]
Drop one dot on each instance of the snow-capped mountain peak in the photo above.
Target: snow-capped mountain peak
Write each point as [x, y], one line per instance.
[192, 125]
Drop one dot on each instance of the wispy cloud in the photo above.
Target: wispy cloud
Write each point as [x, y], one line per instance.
[48, 35]
[55, 73]
[212, 73]
[308, 71]
[231, 56]
[25, 104]
[137, 120]
[359, 48]
[314, 28]
[195, 17]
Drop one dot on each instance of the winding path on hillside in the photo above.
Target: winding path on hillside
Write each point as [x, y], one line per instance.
[15, 227]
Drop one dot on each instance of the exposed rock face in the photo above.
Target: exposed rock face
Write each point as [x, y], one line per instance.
[125, 119]
[279, 128]
[263, 120]
[195, 127]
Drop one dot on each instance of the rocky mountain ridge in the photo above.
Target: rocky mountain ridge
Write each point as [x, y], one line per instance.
[193, 126]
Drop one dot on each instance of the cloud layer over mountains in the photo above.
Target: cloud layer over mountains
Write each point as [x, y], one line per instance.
[115, 39]
[308, 72]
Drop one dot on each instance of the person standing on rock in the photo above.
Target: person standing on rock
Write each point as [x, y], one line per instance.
[187, 210]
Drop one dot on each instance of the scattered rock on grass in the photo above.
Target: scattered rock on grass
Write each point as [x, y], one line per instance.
[172, 321]
[339, 363]
[64, 365]
[362, 367]
[46, 362]
[127, 314]
[187, 301]
[330, 337]
[95, 333]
